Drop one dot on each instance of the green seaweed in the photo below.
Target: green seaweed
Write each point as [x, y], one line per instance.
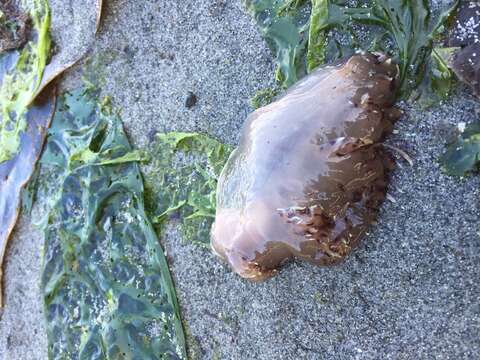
[302, 39]
[463, 155]
[108, 293]
[264, 97]
[284, 25]
[23, 77]
[182, 180]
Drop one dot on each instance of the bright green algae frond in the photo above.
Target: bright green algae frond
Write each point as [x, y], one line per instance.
[182, 181]
[22, 73]
[108, 293]
[300, 34]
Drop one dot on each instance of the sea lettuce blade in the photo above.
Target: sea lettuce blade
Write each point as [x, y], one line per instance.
[108, 293]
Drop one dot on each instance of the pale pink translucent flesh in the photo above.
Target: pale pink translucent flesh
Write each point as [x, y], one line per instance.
[309, 175]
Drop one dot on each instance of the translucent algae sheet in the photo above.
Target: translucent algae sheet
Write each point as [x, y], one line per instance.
[108, 293]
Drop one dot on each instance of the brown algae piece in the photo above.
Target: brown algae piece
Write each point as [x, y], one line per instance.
[465, 34]
[309, 174]
[99, 6]
[15, 173]
[466, 65]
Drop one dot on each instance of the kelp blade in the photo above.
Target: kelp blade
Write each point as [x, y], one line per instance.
[99, 9]
[22, 128]
[108, 293]
[16, 172]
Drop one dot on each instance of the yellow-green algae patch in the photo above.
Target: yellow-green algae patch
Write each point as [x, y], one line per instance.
[181, 182]
[23, 77]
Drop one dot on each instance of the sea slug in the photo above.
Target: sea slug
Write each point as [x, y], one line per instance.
[310, 172]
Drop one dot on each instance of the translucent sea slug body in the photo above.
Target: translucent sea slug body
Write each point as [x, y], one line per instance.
[309, 174]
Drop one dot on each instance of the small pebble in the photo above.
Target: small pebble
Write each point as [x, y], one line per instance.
[191, 100]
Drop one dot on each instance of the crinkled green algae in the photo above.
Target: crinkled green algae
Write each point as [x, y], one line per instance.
[182, 180]
[264, 97]
[108, 293]
[24, 70]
